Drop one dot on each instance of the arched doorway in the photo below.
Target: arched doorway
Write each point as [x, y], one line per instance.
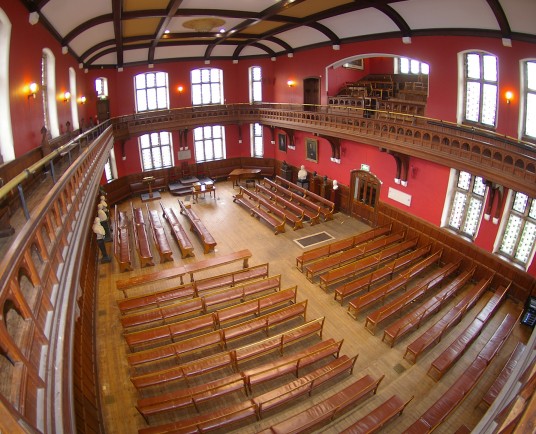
[365, 195]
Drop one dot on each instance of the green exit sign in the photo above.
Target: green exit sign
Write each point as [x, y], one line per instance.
[365, 167]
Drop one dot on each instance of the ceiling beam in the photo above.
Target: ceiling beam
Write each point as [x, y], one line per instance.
[117, 10]
[162, 26]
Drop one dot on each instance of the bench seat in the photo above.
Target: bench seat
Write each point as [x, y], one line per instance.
[159, 236]
[185, 245]
[198, 227]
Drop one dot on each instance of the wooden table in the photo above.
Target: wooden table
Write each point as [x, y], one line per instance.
[203, 190]
[237, 174]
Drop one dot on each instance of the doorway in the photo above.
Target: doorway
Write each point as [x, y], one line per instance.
[311, 93]
[365, 196]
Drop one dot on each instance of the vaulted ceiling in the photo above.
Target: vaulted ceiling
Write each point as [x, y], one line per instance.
[118, 33]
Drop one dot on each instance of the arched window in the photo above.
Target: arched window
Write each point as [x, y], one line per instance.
[48, 89]
[529, 99]
[156, 150]
[257, 143]
[209, 143]
[207, 86]
[7, 148]
[152, 91]
[101, 86]
[74, 99]
[255, 84]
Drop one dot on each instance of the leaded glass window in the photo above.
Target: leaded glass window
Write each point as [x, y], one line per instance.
[209, 143]
[481, 87]
[520, 233]
[156, 151]
[207, 86]
[151, 91]
[467, 204]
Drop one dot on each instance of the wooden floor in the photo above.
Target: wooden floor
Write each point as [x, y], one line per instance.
[234, 229]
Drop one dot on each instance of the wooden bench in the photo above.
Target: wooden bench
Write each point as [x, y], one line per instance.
[221, 418]
[457, 348]
[351, 255]
[293, 213]
[198, 227]
[504, 375]
[436, 332]
[180, 271]
[327, 410]
[141, 240]
[192, 289]
[377, 418]
[305, 385]
[185, 245]
[455, 394]
[395, 305]
[159, 236]
[262, 209]
[231, 358]
[352, 269]
[365, 282]
[122, 241]
[338, 246]
[417, 316]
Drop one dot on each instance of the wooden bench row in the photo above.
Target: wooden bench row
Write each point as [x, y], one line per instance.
[141, 240]
[199, 305]
[293, 213]
[339, 246]
[244, 380]
[192, 289]
[122, 241]
[261, 208]
[327, 207]
[381, 292]
[351, 255]
[416, 317]
[198, 227]
[328, 409]
[159, 236]
[310, 209]
[395, 305]
[379, 416]
[457, 348]
[218, 338]
[180, 271]
[435, 333]
[232, 358]
[355, 268]
[455, 394]
[209, 321]
[183, 241]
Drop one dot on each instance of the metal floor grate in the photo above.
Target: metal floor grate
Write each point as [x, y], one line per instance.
[311, 240]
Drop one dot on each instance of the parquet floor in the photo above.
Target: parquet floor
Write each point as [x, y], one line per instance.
[234, 229]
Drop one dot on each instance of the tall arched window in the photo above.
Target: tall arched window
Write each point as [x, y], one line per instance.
[48, 89]
[255, 84]
[529, 99]
[7, 148]
[101, 86]
[74, 98]
[152, 91]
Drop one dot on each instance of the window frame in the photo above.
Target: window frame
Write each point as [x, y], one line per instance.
[525, 92]
[257, 140]
[483, 82]
[253, 97]
[144, 90]
[153, 146]
[207, 86]
[208, 139]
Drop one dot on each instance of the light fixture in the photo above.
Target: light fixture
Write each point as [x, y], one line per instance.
[82, 99]
[291, 83]
[508, 95]
[32, 87]
[180, 89]
[203, 25]
[66, 96]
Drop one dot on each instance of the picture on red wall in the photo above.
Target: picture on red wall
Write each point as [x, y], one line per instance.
[311, 150]
[282, 142]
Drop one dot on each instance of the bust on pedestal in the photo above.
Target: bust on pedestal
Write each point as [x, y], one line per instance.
[302, 178]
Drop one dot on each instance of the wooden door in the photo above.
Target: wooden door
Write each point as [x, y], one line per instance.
[103, 109]
[311, 93]
[365, 195]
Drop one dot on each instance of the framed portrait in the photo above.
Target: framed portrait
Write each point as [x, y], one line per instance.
[282, 142]
[311, 150]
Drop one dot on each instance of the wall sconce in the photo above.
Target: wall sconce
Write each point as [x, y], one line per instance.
[291, 83]
[82, 99]
[66, 96]
[32, 90]
[180, 89]
[509, 96]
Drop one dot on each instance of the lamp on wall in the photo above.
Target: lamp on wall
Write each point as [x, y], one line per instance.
[180, 89]
[509, 95]
[82, 99]
[291, 83]
[32, 90]
[66, 96]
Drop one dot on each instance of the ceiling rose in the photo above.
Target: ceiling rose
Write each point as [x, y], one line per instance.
[203, 24]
